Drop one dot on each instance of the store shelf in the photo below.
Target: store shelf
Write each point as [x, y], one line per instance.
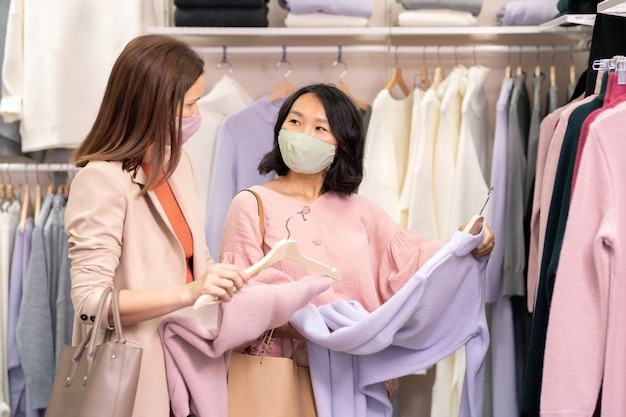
[613, 7]
[569, 19]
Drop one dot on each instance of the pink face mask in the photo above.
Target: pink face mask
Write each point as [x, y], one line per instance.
[189, 126]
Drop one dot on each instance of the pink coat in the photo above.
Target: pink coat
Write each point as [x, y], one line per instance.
[120, 239]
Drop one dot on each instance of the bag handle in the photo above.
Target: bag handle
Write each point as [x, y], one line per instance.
[117, 320]
[261, 212]
[89, 342]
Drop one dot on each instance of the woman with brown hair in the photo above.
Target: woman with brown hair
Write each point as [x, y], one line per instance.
[133, 216]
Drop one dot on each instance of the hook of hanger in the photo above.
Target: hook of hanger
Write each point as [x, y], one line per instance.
[9, 174]
[302, 213]
[571, 54]
[439, 55]
[519, 55]
[37, 173]
[456, 57]
[397, 55]
[424, 55]
[338, 61]
[224, 60]
[25, 174]
[474, 55]
[537, 54]
[283, 60]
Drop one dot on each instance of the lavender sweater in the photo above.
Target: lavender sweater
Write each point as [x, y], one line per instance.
[439, 310]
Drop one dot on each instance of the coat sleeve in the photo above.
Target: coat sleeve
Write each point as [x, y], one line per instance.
[94, 222]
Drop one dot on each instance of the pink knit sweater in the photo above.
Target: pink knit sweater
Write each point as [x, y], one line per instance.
[374, 255]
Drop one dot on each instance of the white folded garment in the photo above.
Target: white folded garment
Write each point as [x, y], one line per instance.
[431, 18]
[320, 19]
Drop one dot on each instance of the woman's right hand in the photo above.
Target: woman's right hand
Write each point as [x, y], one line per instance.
[221, 281]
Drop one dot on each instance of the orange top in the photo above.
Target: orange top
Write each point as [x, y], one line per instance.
[177, 220]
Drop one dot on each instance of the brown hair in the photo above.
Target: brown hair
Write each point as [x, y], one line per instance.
[146, 89]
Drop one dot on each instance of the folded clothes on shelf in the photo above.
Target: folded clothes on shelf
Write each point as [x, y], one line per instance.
[311, 20]
[471, 6]
[221, 16]
[358, 8]
[435, 18]
[220, 3]
[526, 13]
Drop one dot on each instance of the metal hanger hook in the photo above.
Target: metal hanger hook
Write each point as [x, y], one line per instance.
[537, 54]
[439, 55]
[302, 213]
[283, 60]
[224, 60]
[338, 61]
[397, 55]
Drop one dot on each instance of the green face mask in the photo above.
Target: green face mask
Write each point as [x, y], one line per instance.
[303, 153]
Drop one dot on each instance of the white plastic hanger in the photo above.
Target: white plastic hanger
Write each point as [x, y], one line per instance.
[283, 249]
[476, 222]
[284, 88]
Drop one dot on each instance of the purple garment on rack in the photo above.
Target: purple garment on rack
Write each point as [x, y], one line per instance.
[526, 13]
[359, 8]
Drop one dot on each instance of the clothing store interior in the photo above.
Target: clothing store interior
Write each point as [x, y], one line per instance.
[462, 101]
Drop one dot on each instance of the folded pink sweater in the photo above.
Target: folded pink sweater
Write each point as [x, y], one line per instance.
[197, 343]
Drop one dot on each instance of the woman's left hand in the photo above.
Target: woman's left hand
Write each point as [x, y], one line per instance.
[488, 243]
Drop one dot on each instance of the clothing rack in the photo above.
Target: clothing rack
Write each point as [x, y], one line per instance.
[382, 49]
[37, 167]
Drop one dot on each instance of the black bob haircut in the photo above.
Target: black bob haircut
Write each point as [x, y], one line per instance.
[346, 172]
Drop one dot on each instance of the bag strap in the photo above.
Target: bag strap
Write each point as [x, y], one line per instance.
[267, 336]
[89, 341]
[261, 214]
[103, 316]
[117, 321]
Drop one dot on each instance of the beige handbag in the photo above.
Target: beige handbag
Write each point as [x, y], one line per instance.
[261, 386]
[95, 380]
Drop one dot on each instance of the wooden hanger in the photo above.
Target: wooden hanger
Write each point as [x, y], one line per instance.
[537, 67]
[281, 90]
[437, 77]
[342, 86]
[37, 201]
[360, 104]
[25, 206]
[423, 83]
[553, 75]
[397, 79]
[283, 249]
